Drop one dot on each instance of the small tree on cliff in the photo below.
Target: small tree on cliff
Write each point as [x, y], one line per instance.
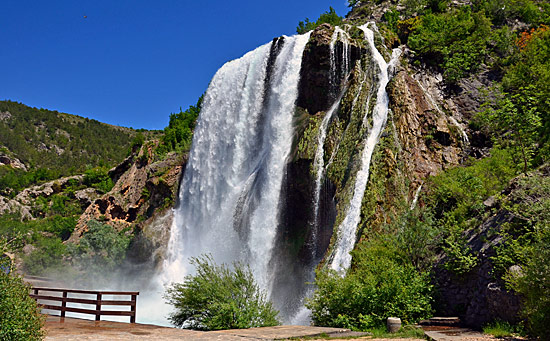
[219, 298]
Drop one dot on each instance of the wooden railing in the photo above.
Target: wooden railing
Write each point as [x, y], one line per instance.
[98, 302]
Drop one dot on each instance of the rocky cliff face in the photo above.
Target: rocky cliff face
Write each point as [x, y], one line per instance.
[143, 189]
[481, 296]
[422, 137]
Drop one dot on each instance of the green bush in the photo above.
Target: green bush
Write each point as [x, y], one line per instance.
[380, 284]
[531, 201]
[219, 298]
[418, 237]
[47, 257]
[20, 317]
[99, 179]
[534, 285]
[101, 249]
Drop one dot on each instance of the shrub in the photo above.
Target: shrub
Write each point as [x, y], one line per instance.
[381, 283]
[219, 298]
[101, 248]
[48, 256]
[531, 200]
[99, 179]
[20, 317]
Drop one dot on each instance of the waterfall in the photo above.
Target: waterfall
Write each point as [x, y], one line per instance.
[319, 160]
[347, 230]
[230, 192]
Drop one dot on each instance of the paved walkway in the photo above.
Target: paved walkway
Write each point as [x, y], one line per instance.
[76, 329]
[444, 333]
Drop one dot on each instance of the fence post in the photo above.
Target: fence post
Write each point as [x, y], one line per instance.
[133, 309]
[98, 307]
[64, 303]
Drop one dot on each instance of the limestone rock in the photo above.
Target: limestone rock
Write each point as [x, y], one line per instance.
[10, 206]
[141, 187]
[12, 162]
[27, 196]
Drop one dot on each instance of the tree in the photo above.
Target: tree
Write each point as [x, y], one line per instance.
[219, 298]
[329, 17]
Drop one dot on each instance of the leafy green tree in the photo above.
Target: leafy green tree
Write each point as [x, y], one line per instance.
[47, 257]
[217, 297]
[178, 135]
[517, 121]
[532, 201]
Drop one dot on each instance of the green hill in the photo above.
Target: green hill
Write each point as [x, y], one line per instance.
[52, 144]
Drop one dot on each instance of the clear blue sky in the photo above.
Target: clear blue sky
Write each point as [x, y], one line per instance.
[132, 62]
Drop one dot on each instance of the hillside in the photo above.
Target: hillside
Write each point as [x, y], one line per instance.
[40, 144]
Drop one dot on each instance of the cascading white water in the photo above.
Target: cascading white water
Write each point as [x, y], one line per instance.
[342, 36]
[318, 161]
[230, 192]
[347, 230]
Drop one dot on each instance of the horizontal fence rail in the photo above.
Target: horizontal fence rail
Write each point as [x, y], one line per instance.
[99, 301]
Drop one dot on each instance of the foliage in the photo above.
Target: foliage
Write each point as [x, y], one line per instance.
[178, 135]
[101, 249]
[13, 180]
[329, 17]
[46, 258]
[219, 298]
[517, 121]
[456, 199]
[500, 329]
[406, 332]
[418, 237]
[531, 201]
[534, 285]
[99, 179]
[20, 317]
[460, 259]
[503, 11]
[380, 284]
[527, 81]
[391, 17]
[455, 41]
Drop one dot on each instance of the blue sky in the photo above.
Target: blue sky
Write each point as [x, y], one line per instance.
[132, 63]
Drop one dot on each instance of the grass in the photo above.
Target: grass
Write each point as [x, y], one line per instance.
[407, 332]
[501, 329]
[404, 333]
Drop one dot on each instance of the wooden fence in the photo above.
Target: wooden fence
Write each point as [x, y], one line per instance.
[98, 302]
